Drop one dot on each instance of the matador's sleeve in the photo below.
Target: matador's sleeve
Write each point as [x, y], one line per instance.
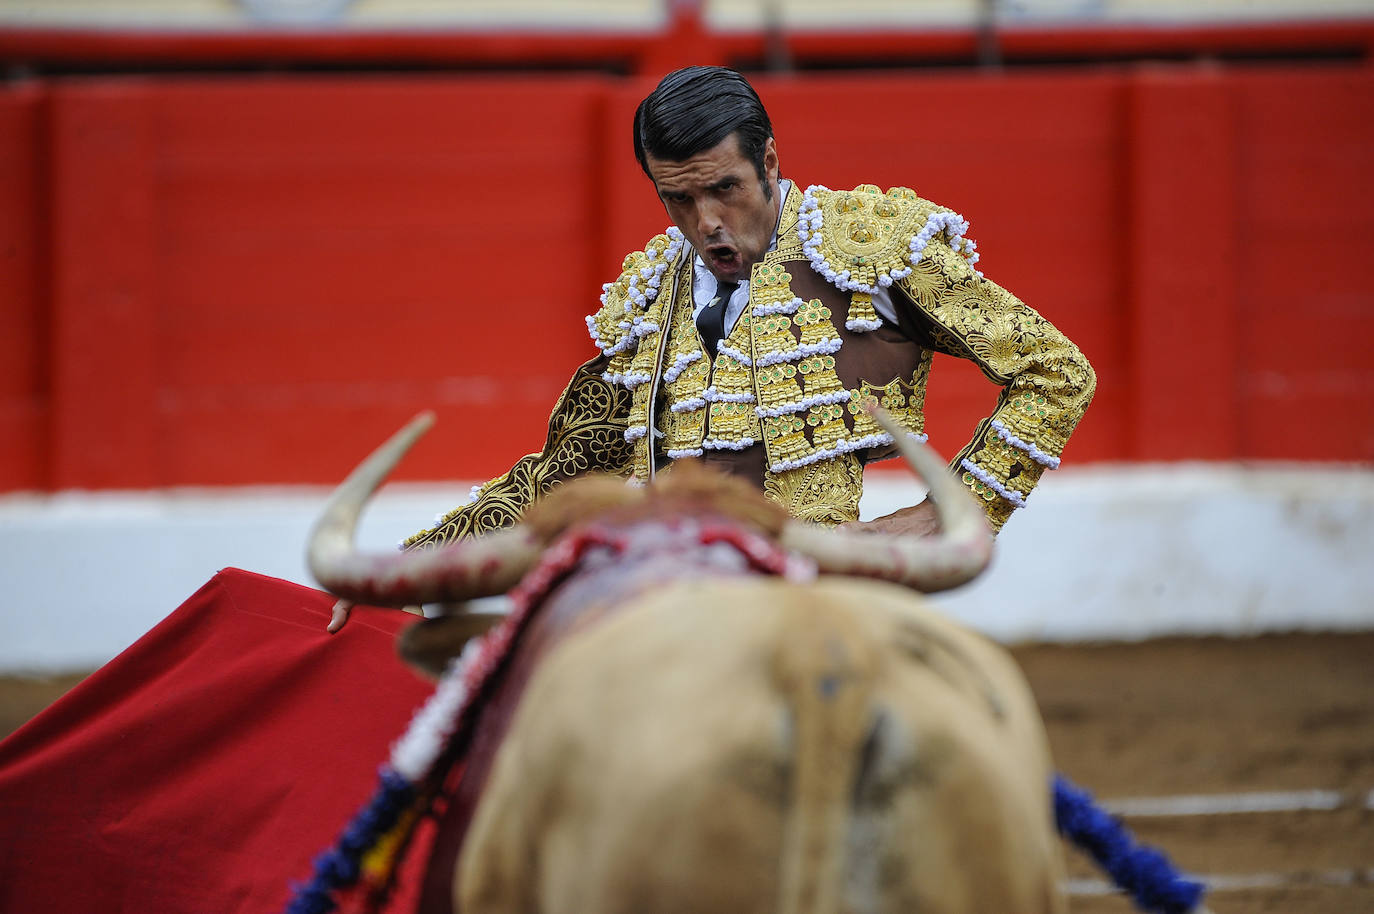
[586, 433]
[1046, 381]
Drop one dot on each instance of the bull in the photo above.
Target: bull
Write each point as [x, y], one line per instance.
[699, 704]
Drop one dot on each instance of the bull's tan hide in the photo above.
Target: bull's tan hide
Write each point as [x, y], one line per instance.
[752, 745]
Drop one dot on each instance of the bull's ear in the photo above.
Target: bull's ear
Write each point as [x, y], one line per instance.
[428, 645]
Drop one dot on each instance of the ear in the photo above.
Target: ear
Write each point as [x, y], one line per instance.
[770, 161]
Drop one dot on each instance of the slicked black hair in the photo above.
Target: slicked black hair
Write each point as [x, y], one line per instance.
[693, 109]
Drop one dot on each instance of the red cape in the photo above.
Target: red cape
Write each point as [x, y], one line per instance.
[206, 766]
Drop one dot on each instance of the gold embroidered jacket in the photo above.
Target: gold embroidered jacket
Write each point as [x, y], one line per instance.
[782, 401]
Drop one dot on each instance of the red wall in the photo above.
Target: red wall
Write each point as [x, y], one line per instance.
[253, 279]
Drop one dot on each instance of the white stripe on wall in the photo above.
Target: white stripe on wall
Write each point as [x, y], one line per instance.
[1100, 553]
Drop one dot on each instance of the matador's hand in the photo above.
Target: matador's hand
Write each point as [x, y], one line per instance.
[340, 616]
[343, 607]
[918, 520]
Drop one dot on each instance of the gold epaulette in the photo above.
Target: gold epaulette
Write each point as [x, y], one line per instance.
[865, 239]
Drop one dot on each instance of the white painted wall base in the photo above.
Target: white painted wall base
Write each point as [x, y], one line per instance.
[1132, 552]
[1102, 553]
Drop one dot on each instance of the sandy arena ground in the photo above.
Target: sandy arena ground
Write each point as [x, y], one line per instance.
[1226, 719]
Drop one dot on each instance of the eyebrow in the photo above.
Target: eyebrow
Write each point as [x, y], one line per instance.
[715, 185]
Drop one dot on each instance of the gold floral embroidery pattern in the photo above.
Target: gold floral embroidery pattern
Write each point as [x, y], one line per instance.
[826, 492]
[825, 418]
[586, 433]
[793, 350]
[903, 400]
[629, 326]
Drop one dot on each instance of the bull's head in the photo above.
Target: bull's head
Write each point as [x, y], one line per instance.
[494, 563]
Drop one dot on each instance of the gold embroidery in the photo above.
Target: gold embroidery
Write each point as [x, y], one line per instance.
[586, 432]
[861, 314]
[902, 399]
[622, 312]
[827, 420]
[1048, 384]
[814, 320]
[818, 375]
[776, 382]
[770, 282]
[683, 429]
[998, 509]
[867, 233]
[826, 492]
[731, 418]
[784, 438]
[916, 401]
[789, 245]
[859, 402]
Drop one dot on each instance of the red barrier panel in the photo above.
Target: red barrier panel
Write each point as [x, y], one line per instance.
[1305, 270]
[24, 341]
[107, 319]
[240, 280]
[1182, 275]
[350, 251]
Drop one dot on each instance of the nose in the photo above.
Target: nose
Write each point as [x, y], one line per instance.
[709, 219]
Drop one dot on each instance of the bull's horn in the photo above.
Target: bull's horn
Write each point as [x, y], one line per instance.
[479, 567]
[955, 556]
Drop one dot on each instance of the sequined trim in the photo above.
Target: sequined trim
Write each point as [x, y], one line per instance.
[986, 478]
[1035, 453]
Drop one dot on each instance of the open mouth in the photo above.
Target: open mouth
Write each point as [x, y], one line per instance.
[724, 260]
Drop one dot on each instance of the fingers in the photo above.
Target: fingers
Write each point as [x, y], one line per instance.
[344, 607]
[341, 610]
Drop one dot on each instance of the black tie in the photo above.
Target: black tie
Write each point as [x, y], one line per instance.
[711, 320]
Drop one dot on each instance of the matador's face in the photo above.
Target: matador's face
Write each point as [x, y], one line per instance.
[717, 200]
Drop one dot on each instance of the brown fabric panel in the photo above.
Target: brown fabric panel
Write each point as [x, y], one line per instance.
[748, 464]
[877, 356]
